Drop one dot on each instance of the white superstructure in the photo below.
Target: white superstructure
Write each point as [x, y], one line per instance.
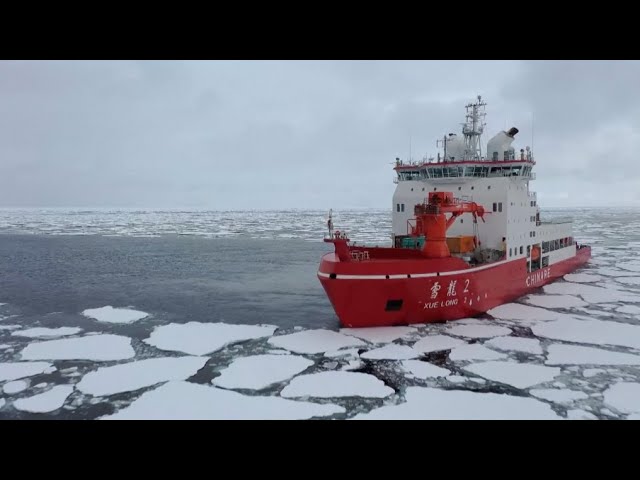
[498, 180]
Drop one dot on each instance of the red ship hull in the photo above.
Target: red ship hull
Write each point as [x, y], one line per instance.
[399, 292]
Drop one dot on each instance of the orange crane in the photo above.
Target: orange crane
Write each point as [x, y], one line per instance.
[432, 222]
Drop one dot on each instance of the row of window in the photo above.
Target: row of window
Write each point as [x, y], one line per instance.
[514, 251]
[467, 171]
[399, 207]
[497, 207]
[552, 245]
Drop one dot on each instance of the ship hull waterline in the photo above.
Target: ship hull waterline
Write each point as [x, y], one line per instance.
[374, 300]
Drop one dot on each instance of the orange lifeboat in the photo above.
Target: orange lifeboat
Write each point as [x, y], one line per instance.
[535, 253]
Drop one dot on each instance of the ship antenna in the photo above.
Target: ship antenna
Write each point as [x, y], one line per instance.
[532, 135]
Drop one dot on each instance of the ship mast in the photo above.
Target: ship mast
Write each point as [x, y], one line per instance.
[472, 129]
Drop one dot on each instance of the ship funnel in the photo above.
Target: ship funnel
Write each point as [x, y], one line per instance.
[499, 147]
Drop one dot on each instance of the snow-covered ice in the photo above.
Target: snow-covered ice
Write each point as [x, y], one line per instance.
[315, 341]
[347, 352]
[457, 379]
[424, 370]
[474, 352]
[132, 376]
[525, 314]
[518, 344]
[47, 332]
[560, 354]
[590, 293]
[519, 375]
[114, 315]
[478, 331]
[559, 395]
[337, 384]
[16, 386]
[592, 372]
[391, 352]
[101, 347]
[260, 371]
[45, 402]
[578, 414]
[435, 404]
[435, 343]
[203, 338]
[379, 334]
[624, 397]
[598, 332]
[629, 309]
[16, 370]
[189, 401]
[629, 280]
[555, 301]
[582, 277]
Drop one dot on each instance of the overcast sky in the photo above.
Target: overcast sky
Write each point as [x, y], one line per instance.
[301, 134]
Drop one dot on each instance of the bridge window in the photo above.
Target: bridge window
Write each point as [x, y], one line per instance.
[495, 207]
[402, 207]
[520, 249]
[499, 206]
[397, 207]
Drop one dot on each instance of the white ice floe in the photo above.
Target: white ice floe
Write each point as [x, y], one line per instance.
[629, 309]
[582, 277]
[261, 371]
[115, 315]
[45, 402]
[4, 346]
[278, 352]
[47, 332]
[592, 372]
[478, 331]
[16, 370]
[379, 334]
[598, 332]
[10, 327]
[634, 416]
[474, 352]
[127, 377]
[391, 352]
[457, 379]
[189, 401]
[102, 347]
[559, 395]
[2, 402]
[615, 272]
[517, 344]
[525, 314]
[436, 343]
[590, 293]
[555, 301]
[579, 355]
[596, 313]
[580, 415]
[16, 386]
[470, 321]
[624, 397]
[629, 280]
[315, 341]
[519, 375]
[352, 365]
[336, 384]
[348, 352]
[632, 266]
[203, 338]
[424, 370]
[434, 404]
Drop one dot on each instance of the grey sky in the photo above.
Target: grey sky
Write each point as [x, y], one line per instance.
[300, 134]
